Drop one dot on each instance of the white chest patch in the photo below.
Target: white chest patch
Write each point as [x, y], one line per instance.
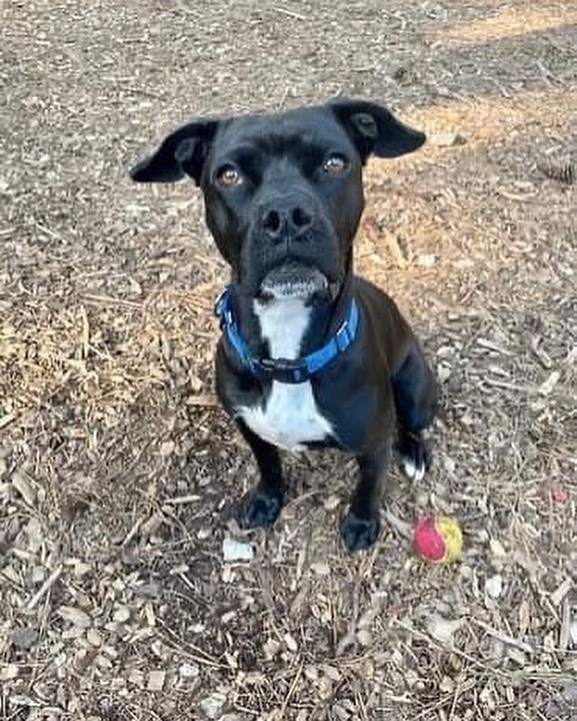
[290, 416]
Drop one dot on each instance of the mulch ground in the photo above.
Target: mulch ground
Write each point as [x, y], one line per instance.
[118, 470]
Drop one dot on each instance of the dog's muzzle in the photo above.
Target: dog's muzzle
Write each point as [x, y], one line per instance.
[292, 252]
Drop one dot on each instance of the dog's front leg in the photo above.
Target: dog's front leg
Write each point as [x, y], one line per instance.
[261, 507]
[361, 526]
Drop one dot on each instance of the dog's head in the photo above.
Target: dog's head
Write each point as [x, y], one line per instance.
[283, 192]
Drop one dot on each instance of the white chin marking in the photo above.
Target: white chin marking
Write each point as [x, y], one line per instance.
[283, 323]
[413, 472]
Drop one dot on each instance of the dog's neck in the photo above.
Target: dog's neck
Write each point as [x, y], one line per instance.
[289, 328]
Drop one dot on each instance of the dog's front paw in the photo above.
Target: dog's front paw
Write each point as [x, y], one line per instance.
[260, 509]
[359, 533]
[414, 455]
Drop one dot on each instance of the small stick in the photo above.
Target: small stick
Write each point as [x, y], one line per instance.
[46, 586]
[291, 690]
[133, 531]
[290, 14]
[91, 297]
[182, 500]
[7, 419]
[489, 345]
[506, 639]
[85, 332]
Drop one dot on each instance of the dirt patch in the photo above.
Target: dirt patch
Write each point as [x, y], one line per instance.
[507, 22]
[119, 473]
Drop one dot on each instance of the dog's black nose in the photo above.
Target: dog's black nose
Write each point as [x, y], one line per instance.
[287, 222]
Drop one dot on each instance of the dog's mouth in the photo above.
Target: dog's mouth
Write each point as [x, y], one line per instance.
[294, 280]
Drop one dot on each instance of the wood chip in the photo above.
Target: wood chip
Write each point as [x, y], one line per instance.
[167, 448]
[426, 260]
[236, 551]
[75, 616]
[291, 643]
[546, 388]
[524, 617]
[7, 419]
[494, 586]
[46, 586]
[121, 614]
[25, 638]
[561, 591]
[443, 629]
[446, 140]
[156, 680]
[573, 632]
[497, 549]
[332, 502]
[541, 354]
[332, 672]
[189, 670]
[364, 637]
[24, 487]
[94, 637]
[9, 672]
[212, 705]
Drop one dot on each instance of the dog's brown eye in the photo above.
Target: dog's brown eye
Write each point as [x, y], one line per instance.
[229, 176]
[335, 165]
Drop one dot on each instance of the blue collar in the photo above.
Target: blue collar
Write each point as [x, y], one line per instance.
[281, 369]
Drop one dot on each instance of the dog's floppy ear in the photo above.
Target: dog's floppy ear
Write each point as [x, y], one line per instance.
[374, 129]
[181, 153]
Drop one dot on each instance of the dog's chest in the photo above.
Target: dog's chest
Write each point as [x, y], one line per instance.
[289, 417]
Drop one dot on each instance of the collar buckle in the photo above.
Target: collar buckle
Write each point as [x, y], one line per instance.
[283, 370]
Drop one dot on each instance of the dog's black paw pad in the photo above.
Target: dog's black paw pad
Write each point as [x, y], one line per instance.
[415, 457]
[260, 510]
[359, 533]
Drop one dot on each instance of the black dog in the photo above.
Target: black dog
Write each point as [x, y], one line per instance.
[310, 354]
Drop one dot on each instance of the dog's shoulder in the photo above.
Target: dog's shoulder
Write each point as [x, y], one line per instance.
[376, 302]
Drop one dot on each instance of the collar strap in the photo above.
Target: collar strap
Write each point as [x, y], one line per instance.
[281, 369]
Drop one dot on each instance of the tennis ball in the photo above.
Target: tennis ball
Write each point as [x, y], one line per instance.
[437, 540]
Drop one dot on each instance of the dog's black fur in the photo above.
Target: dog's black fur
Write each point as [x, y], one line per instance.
[284, 197]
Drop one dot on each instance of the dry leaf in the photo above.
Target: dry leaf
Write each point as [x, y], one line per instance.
[443, 629]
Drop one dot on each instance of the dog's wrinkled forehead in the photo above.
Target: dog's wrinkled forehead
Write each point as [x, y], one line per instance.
[296, 133]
